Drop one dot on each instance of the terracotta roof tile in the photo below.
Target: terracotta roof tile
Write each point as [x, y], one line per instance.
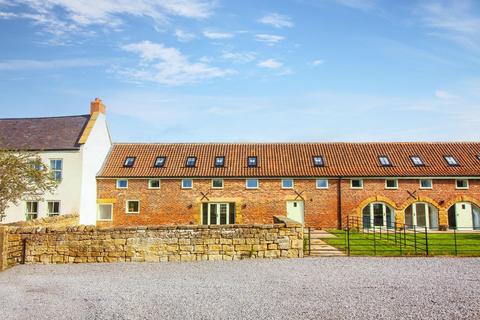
[294, 159]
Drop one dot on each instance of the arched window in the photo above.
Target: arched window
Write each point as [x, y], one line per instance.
[464, 216]
[378, 214]
[421, 215]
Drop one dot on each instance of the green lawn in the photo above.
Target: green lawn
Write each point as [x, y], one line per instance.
[391, 244]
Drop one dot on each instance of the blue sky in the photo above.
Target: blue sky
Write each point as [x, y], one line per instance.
[278, 70]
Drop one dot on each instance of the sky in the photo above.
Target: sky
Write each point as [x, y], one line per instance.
[248, 70]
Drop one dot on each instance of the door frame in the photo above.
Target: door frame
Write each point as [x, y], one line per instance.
[302, 211]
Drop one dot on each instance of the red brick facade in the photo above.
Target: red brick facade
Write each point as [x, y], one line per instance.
[173, 205]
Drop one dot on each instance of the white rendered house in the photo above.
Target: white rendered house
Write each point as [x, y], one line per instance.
[74, 148]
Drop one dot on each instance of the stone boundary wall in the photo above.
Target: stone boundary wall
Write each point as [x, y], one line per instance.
[64, 220]
[81, 244]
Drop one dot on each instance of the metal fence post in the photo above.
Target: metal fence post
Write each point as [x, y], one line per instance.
[348, 240]
[415, 238]
[309, 241]
[455, 238]
[426, 239]
[374, 242]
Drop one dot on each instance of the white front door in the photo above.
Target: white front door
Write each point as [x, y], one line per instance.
[463, 212]
[295, 211]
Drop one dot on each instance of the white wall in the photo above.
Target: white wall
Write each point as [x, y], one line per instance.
[94, 152]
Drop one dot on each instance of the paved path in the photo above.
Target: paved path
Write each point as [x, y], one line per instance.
[315, 288]
[319, 248]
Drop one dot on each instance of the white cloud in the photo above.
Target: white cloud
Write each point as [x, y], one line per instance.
[318, 62]
[270, 64]
[217, 35]
[184, 36]
[365, 5]
[239, 57]
[168, 65]
[30, 65]
[444, 95]
[277, 20]
[270, 39]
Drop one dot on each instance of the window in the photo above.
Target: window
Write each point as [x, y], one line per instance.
[154, 184]
[105, 212]
[251, 183]
[318, 161]
[287, 183]
[219, 161]
[451, 161]
[133, 206]
[252, 161]
[187, 183]
[461, 183]
[384, 161]
[417, 161]
[217, 183]
[191, 161]
[129, 161]
[56, 166]
[31, 210]
[391, 184]
[53, 208]
[159, 162]
[426, 184]
[356, 183]
[122, 184]
[322, 184]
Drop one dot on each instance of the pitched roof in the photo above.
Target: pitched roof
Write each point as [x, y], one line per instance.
[294, 159]
[54, 133]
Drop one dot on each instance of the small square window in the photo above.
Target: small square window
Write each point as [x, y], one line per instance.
[129, 162]
[219, 161]
[384, 161]
[318, 161]
[53, 208]
[154, 184]
[187, 183]
[356, 183]
[159, 162]
[287, 183]
[426, 184]
[217, 183]
[105, 212]
[478, 156]
[322, 184]
[122, 184]
[191, 161]
[133, 206]
[461, 184]
[251, 183]
[252, 161]
[451, 161]
[391, 184]
[417, 161]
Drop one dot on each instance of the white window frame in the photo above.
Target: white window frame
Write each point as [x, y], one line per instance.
[426, 188]
[126, 206]
[316, 183]
[50, 214]
[183, 186]
[358, 188]
[391, 188]
[53, 171]
[293, 184]
[247, 187]
[111, 211]
[218, 179]
[30, 213]
[462, 188]
[150, 184]
[117, 184]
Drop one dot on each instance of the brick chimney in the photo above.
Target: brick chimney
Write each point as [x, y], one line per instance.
[97, 106]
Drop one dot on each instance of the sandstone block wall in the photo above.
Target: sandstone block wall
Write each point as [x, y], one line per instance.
[57, 221]
[81, 244]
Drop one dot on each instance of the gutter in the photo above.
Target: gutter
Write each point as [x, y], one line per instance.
[339, 203]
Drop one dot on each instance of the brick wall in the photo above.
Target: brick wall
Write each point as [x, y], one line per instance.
[172, 205]
[80, 244]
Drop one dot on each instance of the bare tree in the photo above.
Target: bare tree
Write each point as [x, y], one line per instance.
[23, 176]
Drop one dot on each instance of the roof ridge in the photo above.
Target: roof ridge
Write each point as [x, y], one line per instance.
[297, 142]
[41, 118]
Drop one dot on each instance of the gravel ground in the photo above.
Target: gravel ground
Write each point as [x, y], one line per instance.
[327, 288]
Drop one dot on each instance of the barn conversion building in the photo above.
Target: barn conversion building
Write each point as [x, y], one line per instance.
[433, 185]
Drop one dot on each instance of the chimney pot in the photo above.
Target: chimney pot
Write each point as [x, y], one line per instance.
[97, 106]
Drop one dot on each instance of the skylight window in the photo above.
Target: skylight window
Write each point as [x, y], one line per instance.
[252, 161]
[451, 161]
[159, 162]
[129, 161]
[318, 161]
[191, 161]
[417, 161]
[219, 161]
[384, 161]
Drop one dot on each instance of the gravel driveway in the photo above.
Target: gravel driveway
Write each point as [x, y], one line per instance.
[327, 288]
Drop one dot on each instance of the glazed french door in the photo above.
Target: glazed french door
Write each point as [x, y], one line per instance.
[218, 213]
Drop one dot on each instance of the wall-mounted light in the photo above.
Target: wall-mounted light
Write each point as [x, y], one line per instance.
[244, 206]
[190, 206]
